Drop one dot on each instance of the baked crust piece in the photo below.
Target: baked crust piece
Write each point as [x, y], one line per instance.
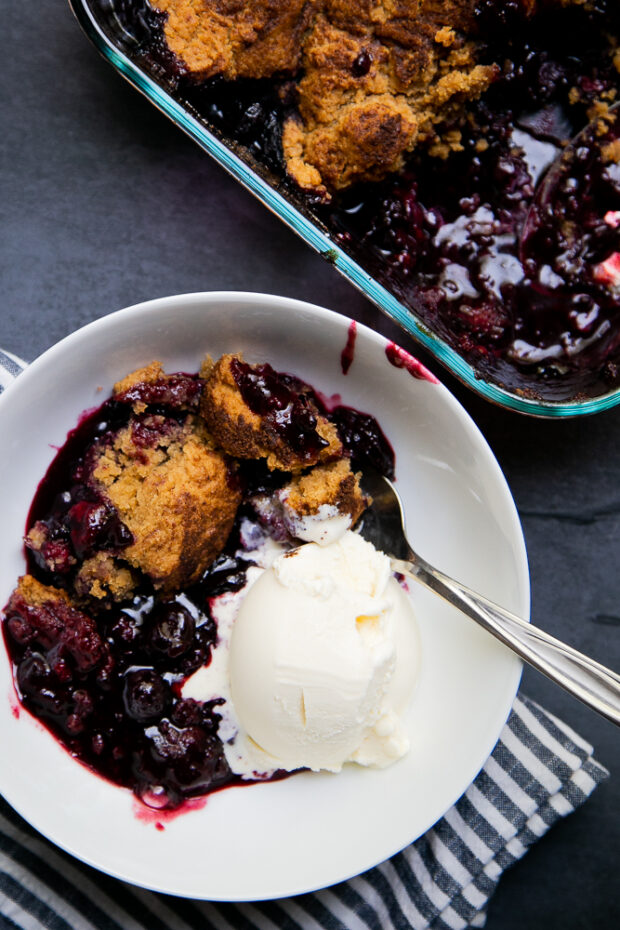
[36, 594]
[332, 485]
[245, 434]
[235, 38]
[375, 78]
[104, 577]
[150, 374]
[174, 495]
[378, 79]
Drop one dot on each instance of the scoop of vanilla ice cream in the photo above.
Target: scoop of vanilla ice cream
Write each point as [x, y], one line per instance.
[323, 656]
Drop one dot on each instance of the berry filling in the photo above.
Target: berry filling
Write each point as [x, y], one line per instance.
[280, 400]
[105, 674]
[181, 392]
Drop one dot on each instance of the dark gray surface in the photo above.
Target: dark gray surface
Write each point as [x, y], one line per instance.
[106, 204]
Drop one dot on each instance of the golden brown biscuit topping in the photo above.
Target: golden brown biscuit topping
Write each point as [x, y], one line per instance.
[376, 77]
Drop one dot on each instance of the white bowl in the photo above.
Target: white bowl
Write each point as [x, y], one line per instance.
[311, 830]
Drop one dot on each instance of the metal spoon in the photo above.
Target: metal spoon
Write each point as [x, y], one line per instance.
[384, 526]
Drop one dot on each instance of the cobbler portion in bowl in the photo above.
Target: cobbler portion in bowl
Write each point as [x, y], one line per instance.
[417, 134]
[157, 505]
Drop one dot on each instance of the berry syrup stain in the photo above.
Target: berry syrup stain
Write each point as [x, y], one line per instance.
[348, 353]
[160, 818]
[400, 358]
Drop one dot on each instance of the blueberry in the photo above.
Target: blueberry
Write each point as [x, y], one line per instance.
[95, 525]
[125, 631]
[145, 694]
[21, 631]
[36, 682]
[87, 520]
[173, 631]
[362, 63]
[193, 757]
[187, 713]
[33, 672]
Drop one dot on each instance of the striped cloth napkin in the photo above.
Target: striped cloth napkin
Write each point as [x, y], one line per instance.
[539, 772]
[10, 367]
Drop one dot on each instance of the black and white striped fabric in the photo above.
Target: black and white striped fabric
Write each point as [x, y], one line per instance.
[539, 772]
[10, 367]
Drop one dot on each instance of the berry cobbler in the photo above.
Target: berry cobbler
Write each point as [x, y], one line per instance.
[419, 135]
[150, 516]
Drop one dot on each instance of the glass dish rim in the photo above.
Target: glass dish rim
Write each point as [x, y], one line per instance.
[321, 243]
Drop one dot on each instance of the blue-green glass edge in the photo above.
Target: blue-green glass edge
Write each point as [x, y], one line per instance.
[319, 241]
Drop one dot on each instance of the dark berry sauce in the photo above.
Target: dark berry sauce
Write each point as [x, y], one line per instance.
[106, 679]
[284, 405]
[364, 440]
[181, 392]
[400, 358]
[452, 239]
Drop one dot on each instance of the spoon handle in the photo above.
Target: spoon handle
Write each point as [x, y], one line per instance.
[595, 685]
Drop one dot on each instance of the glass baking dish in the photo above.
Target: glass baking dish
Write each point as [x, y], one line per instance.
[117, 30]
